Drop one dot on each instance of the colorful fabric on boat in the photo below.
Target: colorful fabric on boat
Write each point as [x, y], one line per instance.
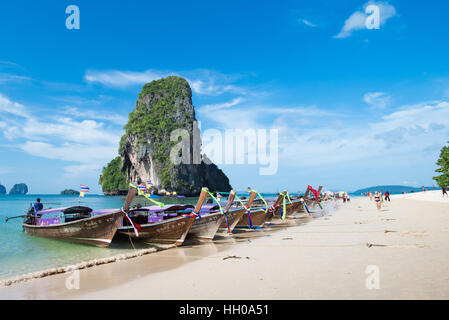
[316, 195]
[284, 208]
[146, 196]
[219, 206]
[84, 188]
[135, 225]
[247, 210]
[266, 204]
[305, 206]
[288, 197]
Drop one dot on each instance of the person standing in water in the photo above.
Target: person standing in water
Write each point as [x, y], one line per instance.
[38, 206]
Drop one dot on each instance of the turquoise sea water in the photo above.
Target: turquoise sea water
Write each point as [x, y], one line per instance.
[22, 254]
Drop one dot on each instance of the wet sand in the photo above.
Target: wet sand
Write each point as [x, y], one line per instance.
[324, 258]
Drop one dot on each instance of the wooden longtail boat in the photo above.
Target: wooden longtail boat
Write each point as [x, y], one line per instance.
[311, 202]
[258, 215]
[207, 223]
[159, 225]
[168, 225]
[234, 215]
[81, 224]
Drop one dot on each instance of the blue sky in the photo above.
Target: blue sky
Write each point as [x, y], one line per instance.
[354, 107]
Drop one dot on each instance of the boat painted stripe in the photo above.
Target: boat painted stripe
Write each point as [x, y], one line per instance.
[154, 223]
[247, 227]
[93, 239]
[156, 241]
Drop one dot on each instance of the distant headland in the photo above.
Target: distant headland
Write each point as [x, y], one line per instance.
[393, 189]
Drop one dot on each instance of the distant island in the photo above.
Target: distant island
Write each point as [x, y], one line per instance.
[70, 192]
[2, 189]
[19, 188]
[391, 189]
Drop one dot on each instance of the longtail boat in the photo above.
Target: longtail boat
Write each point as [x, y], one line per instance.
[255, 217]
[207, 222]
[167, 225]
[233, 215]
[78, 224]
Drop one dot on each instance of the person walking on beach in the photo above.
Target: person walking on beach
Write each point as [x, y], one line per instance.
[444, 191]
[377, 200]
[371, 196]
[387, 196]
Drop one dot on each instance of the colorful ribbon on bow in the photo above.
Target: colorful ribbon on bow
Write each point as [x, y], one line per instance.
[221, 209]
[141, 193]
[305, 206]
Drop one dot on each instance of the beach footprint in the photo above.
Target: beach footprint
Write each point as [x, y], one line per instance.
[414, 233]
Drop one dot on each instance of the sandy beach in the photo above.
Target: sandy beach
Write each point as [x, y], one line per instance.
[404, 248]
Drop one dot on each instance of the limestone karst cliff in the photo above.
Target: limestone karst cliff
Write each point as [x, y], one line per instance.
[163, 106]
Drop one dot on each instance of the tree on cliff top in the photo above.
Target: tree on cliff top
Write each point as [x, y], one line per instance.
[443, 162]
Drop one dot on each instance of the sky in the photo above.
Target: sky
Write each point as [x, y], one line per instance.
[353, 107]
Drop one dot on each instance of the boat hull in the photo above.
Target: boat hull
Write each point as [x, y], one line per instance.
[258, 219]
[98, 230]
[291, 208]
[233, 219]
[204, 229]
[171, 231]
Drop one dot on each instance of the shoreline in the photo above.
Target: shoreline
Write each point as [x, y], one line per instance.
[323, 258]
[82, 265]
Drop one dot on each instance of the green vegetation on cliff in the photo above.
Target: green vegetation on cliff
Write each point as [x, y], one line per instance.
[157, 122]
[443, 162]
[112, 178]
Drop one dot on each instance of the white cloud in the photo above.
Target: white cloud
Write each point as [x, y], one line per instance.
[73, 152]
[121, 79]
[398, 136]
[91, 114]
[218, 106]
[85, 144]
[6, 78]
[357, 20]
[13, 108]
[377, 100]
[308, 23]
[202, 82]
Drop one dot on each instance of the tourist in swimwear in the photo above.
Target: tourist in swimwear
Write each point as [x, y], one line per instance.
[377, 200]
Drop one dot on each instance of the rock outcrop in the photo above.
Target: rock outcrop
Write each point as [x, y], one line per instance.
[164, 106]
[70, 192]
[20, 188]
[2, 189]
